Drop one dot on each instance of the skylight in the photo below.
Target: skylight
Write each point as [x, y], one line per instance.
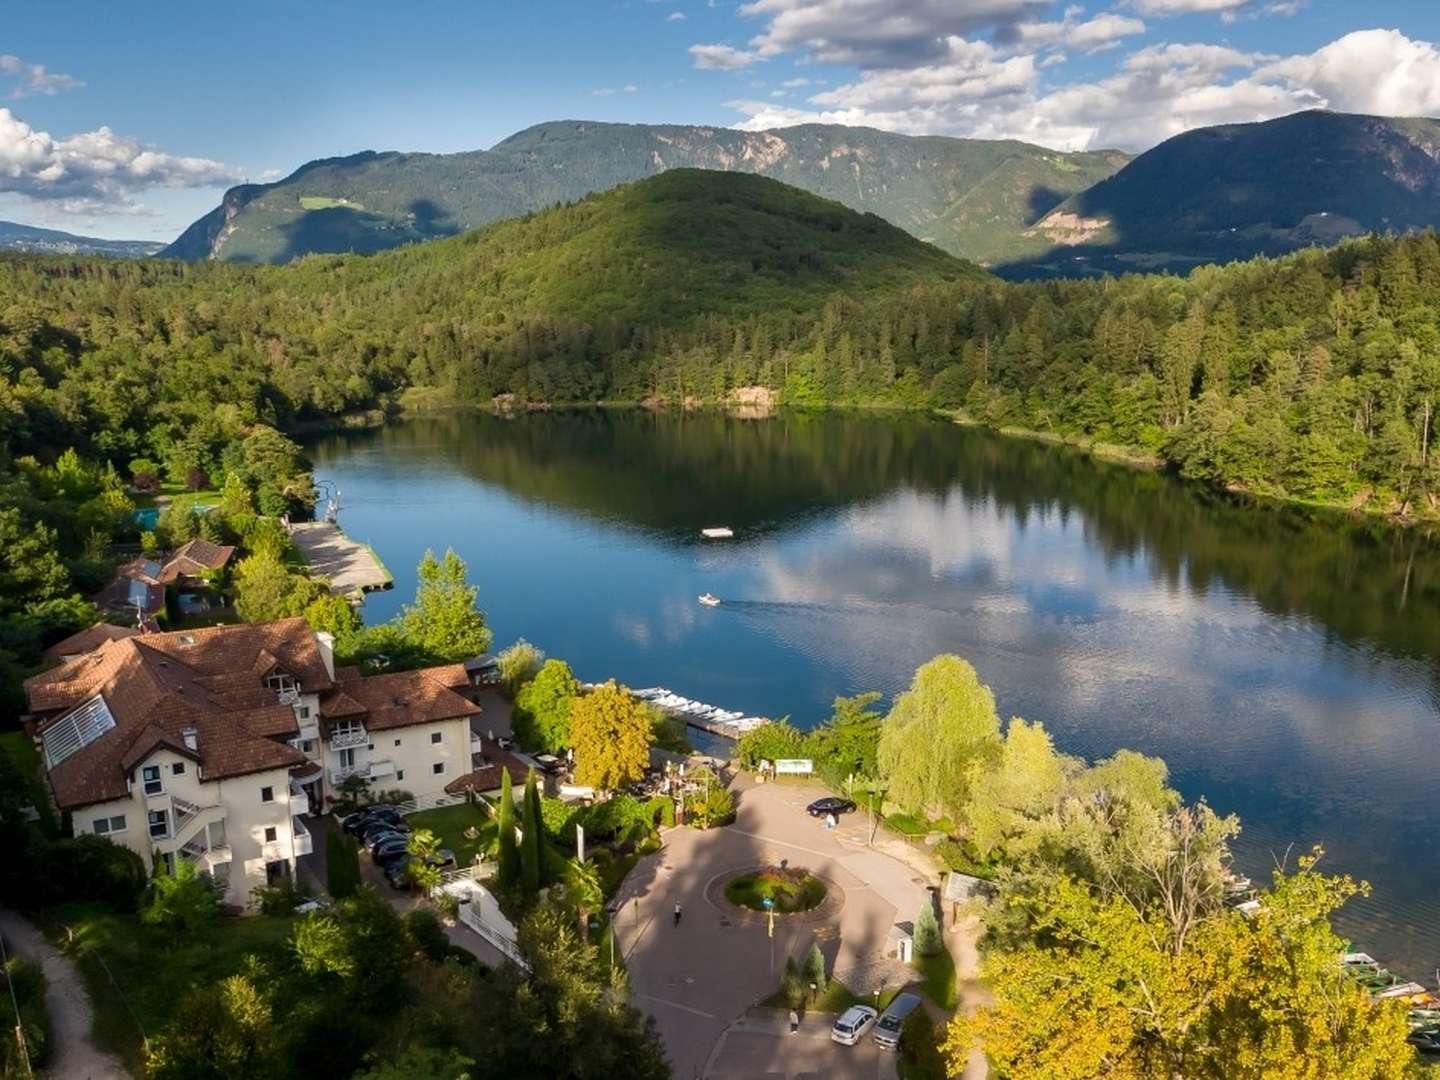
[76, 731]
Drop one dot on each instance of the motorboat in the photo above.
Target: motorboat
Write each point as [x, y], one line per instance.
[718, 532]
[709, 599]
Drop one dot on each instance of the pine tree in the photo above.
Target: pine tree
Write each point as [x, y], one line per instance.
[927, 932]
[815, 968]
[509, 869]
[342, 865]
[530, 838]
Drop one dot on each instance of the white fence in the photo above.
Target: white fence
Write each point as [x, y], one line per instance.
[480, 912]
[428, 802]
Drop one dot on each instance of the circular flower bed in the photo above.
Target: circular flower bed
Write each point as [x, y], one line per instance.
[792, 889]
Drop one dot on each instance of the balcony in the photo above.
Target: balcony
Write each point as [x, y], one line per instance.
[309, 729]
[207, 858]
[304, 844]
[299, 801]
[371, 770]
[348, 737]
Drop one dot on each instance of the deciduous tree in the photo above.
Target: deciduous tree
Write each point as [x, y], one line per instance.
[611, 734]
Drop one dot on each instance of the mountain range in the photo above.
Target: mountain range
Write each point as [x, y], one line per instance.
[28, 238]
[970, 197]
[1209, 195]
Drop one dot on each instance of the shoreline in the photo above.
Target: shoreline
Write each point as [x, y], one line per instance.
[1109, 453]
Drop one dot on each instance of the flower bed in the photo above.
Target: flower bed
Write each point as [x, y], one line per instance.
[792, 889]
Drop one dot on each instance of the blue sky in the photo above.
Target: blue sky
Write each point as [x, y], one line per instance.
[135, 126]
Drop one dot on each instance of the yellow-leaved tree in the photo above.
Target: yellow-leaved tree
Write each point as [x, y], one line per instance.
[611, 734]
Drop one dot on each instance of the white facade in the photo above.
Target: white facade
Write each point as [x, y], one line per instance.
[419, 758]
[245, 830]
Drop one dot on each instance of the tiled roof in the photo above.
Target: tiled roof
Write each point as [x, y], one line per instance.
[136, 581]
[195, 558]
[89, 639]
[406, 698]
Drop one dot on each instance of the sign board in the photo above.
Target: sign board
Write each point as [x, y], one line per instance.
[768, 901]
[794, 766]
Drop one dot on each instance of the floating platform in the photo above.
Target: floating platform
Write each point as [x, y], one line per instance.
[353, 568]
[696, 714]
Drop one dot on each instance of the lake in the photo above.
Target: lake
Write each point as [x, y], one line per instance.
[1283, 661]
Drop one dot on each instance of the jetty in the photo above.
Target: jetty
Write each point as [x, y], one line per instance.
[696, 714]
[353, 568]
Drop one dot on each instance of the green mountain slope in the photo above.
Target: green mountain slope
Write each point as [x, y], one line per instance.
[970, 197]
[1223, 193]
[29, 238]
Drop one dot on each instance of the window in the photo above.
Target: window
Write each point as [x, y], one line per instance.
[347, 758]
[151, 775]
[159, 824]
[399, 775]
[307, 745]
[438, 768]
[104, 826]
[267, 794]
[435, 737]
[280, 682]
[370, 746]
[397, 742]
[221, 873]
[304, 712]
[177, 769]
[270, 834]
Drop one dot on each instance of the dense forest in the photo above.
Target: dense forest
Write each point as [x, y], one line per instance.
[1313, 376]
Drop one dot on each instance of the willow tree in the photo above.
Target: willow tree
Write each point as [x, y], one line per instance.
[938, 736]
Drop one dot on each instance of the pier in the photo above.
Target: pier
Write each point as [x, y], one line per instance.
[696, 714]
[353, 568]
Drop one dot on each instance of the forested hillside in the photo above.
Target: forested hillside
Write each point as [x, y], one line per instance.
[1313, 376]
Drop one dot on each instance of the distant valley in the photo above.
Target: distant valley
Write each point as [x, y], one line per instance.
[28, 238]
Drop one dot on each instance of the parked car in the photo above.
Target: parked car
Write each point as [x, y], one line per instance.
[377, 829]
[390, 849]
[887, 1028]
[356, 823]
[397, 868]
[829, 805]
[380, 836]
[854, 1022]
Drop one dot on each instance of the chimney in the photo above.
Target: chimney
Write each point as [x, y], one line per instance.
[191, 737]
[326, 641]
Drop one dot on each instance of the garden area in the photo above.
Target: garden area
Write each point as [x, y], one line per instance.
[468, 829]
[784, 890]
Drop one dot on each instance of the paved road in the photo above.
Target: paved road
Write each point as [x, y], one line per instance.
[697, 978]
[762, 1046]
[74, 1054]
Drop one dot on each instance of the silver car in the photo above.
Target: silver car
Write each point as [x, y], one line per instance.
[853, 1024]
[887, 1030]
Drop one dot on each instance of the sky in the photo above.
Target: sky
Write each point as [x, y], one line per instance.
[131, 120]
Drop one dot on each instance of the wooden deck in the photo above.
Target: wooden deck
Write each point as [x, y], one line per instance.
[353, 568]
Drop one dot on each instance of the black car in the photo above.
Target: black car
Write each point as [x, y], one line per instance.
[397, 871]
[357, 822]
[375, 837]
[391, 849]
[829, 805]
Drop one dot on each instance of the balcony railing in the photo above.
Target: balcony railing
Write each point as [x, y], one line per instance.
[343, 740]
[304, 844]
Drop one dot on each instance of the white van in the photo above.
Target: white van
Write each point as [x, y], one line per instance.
[887, 1031]
[852, 1026]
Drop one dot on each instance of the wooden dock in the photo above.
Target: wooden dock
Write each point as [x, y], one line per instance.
[353, 568]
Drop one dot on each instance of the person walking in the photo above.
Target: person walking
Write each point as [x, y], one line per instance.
[677, 912]
[794, 1021]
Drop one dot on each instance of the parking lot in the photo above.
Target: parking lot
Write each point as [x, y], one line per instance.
[760, 1045]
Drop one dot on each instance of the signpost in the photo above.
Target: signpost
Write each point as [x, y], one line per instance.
[794, 767]
[769, 903]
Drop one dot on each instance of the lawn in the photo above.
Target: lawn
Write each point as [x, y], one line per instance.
[937, 978]
[835, 998]
[450, 823]
[151, 968]
[24, 755]
[323, 202]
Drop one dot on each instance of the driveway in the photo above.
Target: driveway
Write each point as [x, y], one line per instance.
[697, 978]
[758, 1045]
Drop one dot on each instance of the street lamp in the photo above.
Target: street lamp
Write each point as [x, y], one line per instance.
[812, 993]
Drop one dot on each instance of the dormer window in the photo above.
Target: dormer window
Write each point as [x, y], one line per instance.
[281, 683]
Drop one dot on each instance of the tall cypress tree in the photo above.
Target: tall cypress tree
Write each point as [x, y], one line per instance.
[509, 867]
[530, 838]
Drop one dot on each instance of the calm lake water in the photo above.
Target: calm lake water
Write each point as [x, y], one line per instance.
[1284, 663]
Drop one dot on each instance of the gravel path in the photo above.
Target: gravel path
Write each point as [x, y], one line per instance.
[74, 1055]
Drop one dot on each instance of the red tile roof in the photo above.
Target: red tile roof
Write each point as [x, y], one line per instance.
[89, 639]
[213, 680]
[194, 559]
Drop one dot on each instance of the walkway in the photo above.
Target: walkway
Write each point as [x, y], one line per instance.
[74, 1054]
[697, 978]
[352, 568]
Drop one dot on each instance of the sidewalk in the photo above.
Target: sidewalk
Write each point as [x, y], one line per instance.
[73, 1053]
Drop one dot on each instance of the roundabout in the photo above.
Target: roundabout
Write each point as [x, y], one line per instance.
[781, 889]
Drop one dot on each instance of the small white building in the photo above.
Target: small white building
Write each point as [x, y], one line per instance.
[212, 744]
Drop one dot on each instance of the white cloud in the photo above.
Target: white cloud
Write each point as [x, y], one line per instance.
[993, 88]
[795, 84]
[94, 170]
[675, 16]
[35, 78]
[721, 57]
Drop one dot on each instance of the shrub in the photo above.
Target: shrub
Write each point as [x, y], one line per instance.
[342, 865]
[792, 987]
[27, 983]
[606, 820]
[518, 665]
[927, 932]
[815, 967]
[906, 825]
[94, 868]
[709, 807]
[559, 817]
[427, 933]
[182, 900]
[282, 898]
[769, 742]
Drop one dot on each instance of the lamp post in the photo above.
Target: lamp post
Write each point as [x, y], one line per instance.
[812, 993]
